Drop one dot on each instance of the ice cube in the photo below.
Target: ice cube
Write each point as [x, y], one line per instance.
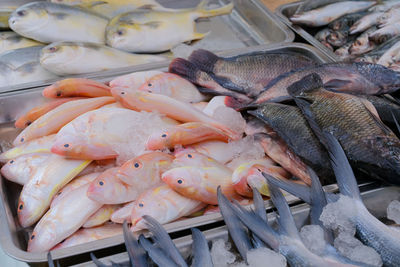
[262, 257]
[336, 215]
[313, 238]
[352, 248]
[393, 211]
[245, 150]
[220, 254]
[231, 118]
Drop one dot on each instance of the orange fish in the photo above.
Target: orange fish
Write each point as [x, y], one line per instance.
[76, 87]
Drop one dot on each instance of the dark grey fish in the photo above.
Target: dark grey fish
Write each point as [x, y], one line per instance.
[339, 38]
[370, 145]
[370, 230]
[323, 34]
[355, 78]
[156, 254]
[248, 73]
[201, 252]
[259, 209]
[385, 106]
[293, 128]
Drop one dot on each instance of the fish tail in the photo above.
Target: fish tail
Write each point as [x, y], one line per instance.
[200, 249]
[137, 254]
[203, 59]
[259, 205]
[309, 83]
[185, 69]
[155, 253]
[204, 13]
[96, 261]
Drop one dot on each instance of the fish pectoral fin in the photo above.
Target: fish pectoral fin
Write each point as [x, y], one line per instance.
[153, 24]
[335, 84]
[378, 121]
[198, 36]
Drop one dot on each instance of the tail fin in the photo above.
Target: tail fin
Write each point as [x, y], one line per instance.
[201, 252]
[96, 261]
[286, 221]
[185, 69]
[204, 59]
[204, 13]
[235, 227]
[156, 254]
[137, 255]
[50, 260]
[260, 211]
[344, 173]
[164, 240]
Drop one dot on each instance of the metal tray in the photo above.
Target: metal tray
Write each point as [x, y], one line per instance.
[14, 239]
[284, 12]
[375, 200]
[249, 24]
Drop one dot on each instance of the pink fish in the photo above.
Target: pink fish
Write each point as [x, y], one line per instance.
[190, 158]
[62, 220]
[185, 134]
[200, 183]
[134, 80]
[174, 86]
[76, 87]
[163, 204]
[218, 150]
[138, 100]
[55, 119]
[122, 214]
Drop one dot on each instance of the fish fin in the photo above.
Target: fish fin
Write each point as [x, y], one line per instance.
[185, 69]
[236, 229]
[137, 255]
[301, 191]
[153, 24]
[309, 83]
[204, 13]
[50, 259]
[233, 99]
[200, 244]
[155, 253]
[198, 36]
[395, 121]
[204, 59]
[96, 261]
[259, 205]
[60, 15]
[344, 173]
[335, 84]
[164, 240]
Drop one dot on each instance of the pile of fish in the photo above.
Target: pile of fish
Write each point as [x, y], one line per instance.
[57, 38]
[361, 31]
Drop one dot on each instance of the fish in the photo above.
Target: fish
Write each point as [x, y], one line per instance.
[391, 16]
[22, 66]
[371, 231]
[343, 51]
[384, 34]
[385, 106]
[68, 58]
[55, 119]
[21, 169]
[174, 86]
[137, 255]
[101, 216]
[217, 150]
[77, 182]
[207, 85]
[122, 214]
[370, 145]
[184, 134]
[187, 157]
[200, 183]
[247, 73]
[181, 111]
[339, 38]
[201, 252]
[379, 50]
[73, 87]
[170, 251]
[10, 40]
[356, 78]
[391, 56]
[365, 22]
[50, 22]
[313, 4]
[326, 14]
[247, 176]
[38, 111]
[149, 30]
[62, 220]
[39, 145]
[362, 44]
[323, 34]
[133, 80]
[279, 151]
[111, 8]
[86, 235]
[345, 22]
[36, 195]
[148, 166]
[293, 128]
[386, 5]
[164, 204]
[124, 133]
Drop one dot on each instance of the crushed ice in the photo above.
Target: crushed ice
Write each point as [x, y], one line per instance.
[313, 238]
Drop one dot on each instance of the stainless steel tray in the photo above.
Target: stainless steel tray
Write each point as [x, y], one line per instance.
[249, 24]
[376, 201]
[284, 12]
[13, 239]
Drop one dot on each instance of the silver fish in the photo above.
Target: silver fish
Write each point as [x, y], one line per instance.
[362, 44]
[386, 5]
[322, 34]
[343, 52]
[365, 22]
[391, 56]
[382, 35]
[10, 40]
[389, 17]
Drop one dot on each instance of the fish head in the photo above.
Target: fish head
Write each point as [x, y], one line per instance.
[359, 45]
[239, 180]
[161, 140]
[386, 79]
[337, 38]
[44, 236]
[129, 98]
[186, 180]
[58, 53]
[157, 85]
[29, 18]
[191, 158]
[28, 212]
[124, 34]
[105, 187]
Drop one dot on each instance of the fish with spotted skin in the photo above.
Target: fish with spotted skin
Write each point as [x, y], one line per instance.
[68, 58]
[148, 30]
[50, 22]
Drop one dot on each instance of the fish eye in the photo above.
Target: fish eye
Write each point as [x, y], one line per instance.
[58, 93]
[141, 205]
[120, 32]
[32, 236]
[66, 145]
[28, 123]
[11, 161]
[53, 49]
[189, 156]
[180, 181]
[22, 139]
[101, 183]
[21, 206]
[21, 13]
[122, 93]
[164, 135]
[137, 165]
[149, 84]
